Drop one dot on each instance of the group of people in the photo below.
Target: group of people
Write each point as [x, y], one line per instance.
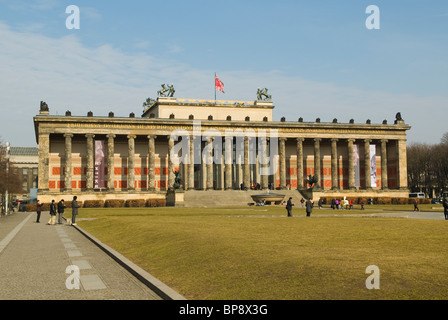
[309, 204]
[337, 204]
[57, 211]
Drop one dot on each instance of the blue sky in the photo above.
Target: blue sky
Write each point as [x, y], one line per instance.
[317, 58]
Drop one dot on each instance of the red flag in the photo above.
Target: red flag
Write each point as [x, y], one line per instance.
[219, 85]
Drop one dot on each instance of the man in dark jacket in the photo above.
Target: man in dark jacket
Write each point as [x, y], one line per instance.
[289, 207]
[75, 207]
[61, 207]
[38, 210]
[309, 207]
[445, 208]
[52, 220]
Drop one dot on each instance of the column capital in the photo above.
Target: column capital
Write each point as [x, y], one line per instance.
[89, 135]
[111, 136]
[152, 136]
[282, 139]
[68, 135]
[384, 140]
[367, 140]
[131, 136]
[300, 139]
[317, 139]
[334, 139]
[351, 140]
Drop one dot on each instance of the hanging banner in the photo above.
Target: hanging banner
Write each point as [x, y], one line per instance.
[99, 181]
[373, 165]
[356, 164]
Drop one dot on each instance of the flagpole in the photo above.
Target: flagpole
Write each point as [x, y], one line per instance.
[215, 87]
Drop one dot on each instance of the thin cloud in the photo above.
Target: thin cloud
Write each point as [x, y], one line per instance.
[70, 76]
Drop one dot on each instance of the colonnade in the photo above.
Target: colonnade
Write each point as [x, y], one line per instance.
[230, 172]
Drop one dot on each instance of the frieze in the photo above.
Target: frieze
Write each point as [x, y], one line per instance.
[224, 128]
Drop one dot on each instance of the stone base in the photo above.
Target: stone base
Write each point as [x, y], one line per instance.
[47, 196]
[263, 103]
[371, 193]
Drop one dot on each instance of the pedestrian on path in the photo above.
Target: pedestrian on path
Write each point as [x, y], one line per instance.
[52, 220]
[289, 205]
[416, 205]
[309, 207]
[75, 207]
[445, 208]
[38, 210]
[61, 207]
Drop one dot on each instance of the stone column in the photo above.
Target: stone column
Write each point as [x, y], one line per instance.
[282, 155]
[264, 164]
[402, 164]
[246, 165]
[300, 163]
[43, 165]
[209, 163]
[110, 162]
[334, 164]
[90, 161]
[317, 161]
[228, 163]
[191, 164]
[131, 162]
[151, 163]
[257, 169]
[367, 177]
[171, 175]
[351, 165]
[384, 183]
[221, 173]
[68, 161]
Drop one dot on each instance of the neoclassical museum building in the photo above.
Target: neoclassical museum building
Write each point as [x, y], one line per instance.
[190, 145]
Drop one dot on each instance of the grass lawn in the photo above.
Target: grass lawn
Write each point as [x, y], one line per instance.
[259, 253]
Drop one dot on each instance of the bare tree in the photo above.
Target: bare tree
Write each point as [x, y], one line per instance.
[428, 168]
[10, 179]
[418, 167]
[444, 139]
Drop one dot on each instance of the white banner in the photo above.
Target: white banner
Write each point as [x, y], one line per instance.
[373, 165]
[99, 179]
[356, 164]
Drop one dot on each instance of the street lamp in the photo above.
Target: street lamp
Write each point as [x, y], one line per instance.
[8, 151]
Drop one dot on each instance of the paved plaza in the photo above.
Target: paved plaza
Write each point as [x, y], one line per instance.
[34, 258]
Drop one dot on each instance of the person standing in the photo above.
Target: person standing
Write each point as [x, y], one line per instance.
[445, 208]
[61, 207]
[289, 205]
[52, 220]
[416, 205]
[75, 207]
[38, 210]
[309, 207]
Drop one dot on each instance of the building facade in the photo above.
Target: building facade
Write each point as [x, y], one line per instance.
[219, 145]
[25, 159]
